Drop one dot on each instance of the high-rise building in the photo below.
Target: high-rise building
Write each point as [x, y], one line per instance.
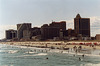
[69, 33]
[48, 32]
[11, 34]
[35, 31]
[61, 25]
[28, 34]
[82, 26]
[21, 29]
[52, 30]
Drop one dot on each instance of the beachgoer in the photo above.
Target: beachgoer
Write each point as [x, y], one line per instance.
[42, 50]
[83, 55]
[76, 51]
[31, 50]
[68, 51]
[34, 50]
[46, 46]
[71, 49]
[61, 51]
[47, 58]
[79, 59]
[74, 55]
[74, 48]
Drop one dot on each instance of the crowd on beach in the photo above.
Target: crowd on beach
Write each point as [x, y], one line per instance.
[77, 47]
[58, 45]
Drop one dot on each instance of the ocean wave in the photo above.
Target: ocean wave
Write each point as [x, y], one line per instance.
[90, 64]
[9, 51]
[73, 53]
[39, 54]
[12, 51]
[30, 52]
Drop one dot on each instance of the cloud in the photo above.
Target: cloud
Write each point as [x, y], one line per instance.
[6, 27]
[95, 25]
[95, 21]
[70, 23]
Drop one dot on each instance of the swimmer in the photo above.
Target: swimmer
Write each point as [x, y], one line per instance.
[83, 55]
[41, 50]
[74, 55]
[31, 50]
[79, 59]
[47, 58]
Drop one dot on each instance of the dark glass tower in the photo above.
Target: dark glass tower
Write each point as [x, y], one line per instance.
[82, 26]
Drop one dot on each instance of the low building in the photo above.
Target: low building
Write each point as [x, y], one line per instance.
[61, 25]
[97, 36]
[68, 34]
[35, 31]
[11, 34]
[48, 32]
[32, 32]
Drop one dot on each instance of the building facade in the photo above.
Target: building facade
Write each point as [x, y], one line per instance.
[11, 34]
[22, 30]
[52, 30]
[48, 32]
[35, 31]
[61, 25]
[82, 26]
[97, 36]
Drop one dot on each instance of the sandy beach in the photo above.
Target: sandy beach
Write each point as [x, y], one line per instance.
[57, 45]
[22, 53]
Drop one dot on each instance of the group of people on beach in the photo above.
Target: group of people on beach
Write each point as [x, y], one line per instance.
[77, 49]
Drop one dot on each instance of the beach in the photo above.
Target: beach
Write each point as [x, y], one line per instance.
[46, 53]
[57, 44]
[41, 54]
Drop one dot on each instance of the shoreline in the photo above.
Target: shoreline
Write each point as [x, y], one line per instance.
[31, 53]
[56, 45]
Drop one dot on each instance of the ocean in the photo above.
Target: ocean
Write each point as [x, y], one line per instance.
[30, 56]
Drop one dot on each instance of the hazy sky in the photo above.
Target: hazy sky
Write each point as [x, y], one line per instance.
[39, 12]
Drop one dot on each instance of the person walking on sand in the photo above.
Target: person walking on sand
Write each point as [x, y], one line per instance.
[74, 48]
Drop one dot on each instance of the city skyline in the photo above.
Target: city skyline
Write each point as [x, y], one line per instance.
[44, 11]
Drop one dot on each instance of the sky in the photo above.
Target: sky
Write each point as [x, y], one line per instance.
[39, 12]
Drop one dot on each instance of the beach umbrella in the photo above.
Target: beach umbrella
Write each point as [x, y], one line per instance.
[95, 43]
[81, 43]
[88, 44]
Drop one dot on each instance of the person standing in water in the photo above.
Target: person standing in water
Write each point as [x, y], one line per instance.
[79, 59]
[83, 55]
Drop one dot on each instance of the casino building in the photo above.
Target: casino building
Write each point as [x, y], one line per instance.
[82, 26]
